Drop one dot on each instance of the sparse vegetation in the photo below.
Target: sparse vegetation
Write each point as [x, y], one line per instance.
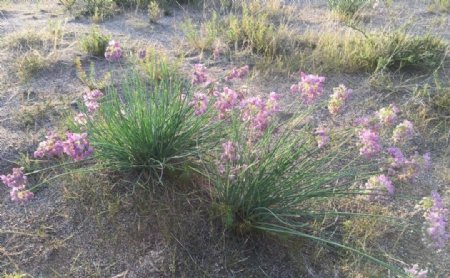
[351, 51]
[154, 12]
[31, 63]
[150, 126]
[95, 42]
[347, 8]
[440, 5]
[158, 145]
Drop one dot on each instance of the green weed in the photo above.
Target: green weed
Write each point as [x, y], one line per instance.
[440, 5]
[154, 12]
[31, 63]
[95, 42]
[90, 79]
[351, 51]
[148, 125]
[347, 8]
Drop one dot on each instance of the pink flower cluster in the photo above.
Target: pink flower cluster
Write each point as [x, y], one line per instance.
[52, 147]
[228, 158]
[17, 181]
[238, 73]
[200, 75]
[407, 169]
[310, 87]
[370, 143]
[388, 115]
[113, 52]
[76, 146]
[200, 103]
[322, 137]
[258, 112]
[226, 101]
[436, 222]
[338, 99]
[403, 132]
[91, 100]
[368, 122]
[229, 153]
[415, 272]
[376, 184]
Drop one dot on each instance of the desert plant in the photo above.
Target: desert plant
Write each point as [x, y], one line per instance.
[89, 78]
[154, 12]
[148, 124]
[398, 50]
[68, 4]
[359, 51]
[99, 9]
[347, 8]
[278, 176]
[31, 63]
[440, 5]
[95, 43]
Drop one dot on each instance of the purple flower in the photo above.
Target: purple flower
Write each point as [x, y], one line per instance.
[415, 272]
[322, 137]
[272, 102]
[200, 103]
[387, 183]
[251, 107]
[376, 184]
[426, 161]
[388, 115]
[310, 87]
[258, 112]
[200, 75]
[226, 101]
[77, 146]
[113, 52]
[370, 143]
[17, 183]
[367, 122]
[237, 73]
[423, 161]
[15, 180]
[338, 98]
[142, 54]
[437, 222]
[403, 132]
[229, 152]
[397, 157]
[91, 100]
[20, 196]
[52, 147]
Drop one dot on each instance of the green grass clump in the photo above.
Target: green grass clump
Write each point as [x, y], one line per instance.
[281, 184]
[148, 124]
[398, 50]
[95, 43]
[249, 31]
[31, 63]
[351, 51]
[440, 5]
[347, 8]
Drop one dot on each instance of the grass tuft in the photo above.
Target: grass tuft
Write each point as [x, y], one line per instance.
[147, 124]
[95, 42]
